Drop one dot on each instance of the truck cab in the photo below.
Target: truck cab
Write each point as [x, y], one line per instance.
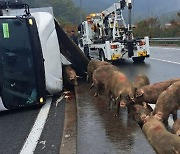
[29, 57]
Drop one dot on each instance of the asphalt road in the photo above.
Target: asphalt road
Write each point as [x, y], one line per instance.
[163, 64]
[16, 125]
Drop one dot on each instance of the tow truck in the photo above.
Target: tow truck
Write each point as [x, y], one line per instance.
[33, 48]
[108, 35]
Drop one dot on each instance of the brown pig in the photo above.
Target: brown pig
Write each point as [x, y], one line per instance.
[101, 76]
[162, 141]
[119, 88]
[168, 102]
[176, 127]
[140, 112]
[140, 80]
[150, 93]
[69, 76]
[92, 66]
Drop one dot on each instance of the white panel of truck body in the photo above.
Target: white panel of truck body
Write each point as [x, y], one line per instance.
[51, 51]
[147, 44]
[88, 33]
[49, 43]
[64, 60]
[2, 108]
[108, 50]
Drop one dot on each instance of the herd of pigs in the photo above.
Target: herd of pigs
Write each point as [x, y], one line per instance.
[136, 96]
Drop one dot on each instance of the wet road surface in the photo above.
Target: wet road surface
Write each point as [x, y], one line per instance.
[99, 132]
[16, 124]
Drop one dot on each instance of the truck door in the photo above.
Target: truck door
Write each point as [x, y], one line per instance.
[22, 79]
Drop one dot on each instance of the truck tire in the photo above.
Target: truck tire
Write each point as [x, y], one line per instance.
[138, 59]
[101, 56]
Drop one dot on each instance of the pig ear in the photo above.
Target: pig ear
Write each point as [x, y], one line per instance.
[139, 93]
[116, 98]
[144, 104]
[119, 96]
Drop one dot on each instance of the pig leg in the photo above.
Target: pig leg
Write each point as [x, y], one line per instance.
[92, 85]
[97, 87]
[111, 101]
[110, 104]
[117, 109]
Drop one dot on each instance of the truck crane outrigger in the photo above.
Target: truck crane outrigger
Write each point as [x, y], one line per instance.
[109, 35]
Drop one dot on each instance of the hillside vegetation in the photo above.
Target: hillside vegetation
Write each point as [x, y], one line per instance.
[64, 10]
[69, 16]
[152, 27]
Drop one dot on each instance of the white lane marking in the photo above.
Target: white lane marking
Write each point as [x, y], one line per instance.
[166, 48]
[168, 61]
[32, 140]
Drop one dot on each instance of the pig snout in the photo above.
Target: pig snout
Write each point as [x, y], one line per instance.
[144, 117]
[122, 104]
[178, 133]
[158, 116]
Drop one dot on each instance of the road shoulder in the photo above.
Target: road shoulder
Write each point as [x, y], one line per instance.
[68, 144]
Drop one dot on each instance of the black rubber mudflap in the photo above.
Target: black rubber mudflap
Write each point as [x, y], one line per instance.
[71, 51]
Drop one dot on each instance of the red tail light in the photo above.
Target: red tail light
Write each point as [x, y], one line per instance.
[114, 46]
[141, 43]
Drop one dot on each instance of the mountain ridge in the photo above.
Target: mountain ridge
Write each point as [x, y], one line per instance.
[144, 8]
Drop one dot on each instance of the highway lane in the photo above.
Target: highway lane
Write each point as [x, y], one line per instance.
[163, 64]
[16, 125]
[168, 54]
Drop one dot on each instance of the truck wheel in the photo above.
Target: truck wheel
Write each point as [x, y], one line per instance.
[102, 56]
[138, 59]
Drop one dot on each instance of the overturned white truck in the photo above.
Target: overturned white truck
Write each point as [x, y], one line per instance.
[31, 57]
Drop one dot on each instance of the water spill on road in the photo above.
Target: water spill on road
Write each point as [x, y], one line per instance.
[100, 132]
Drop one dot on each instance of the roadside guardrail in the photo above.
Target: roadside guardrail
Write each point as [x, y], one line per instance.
[166, 39]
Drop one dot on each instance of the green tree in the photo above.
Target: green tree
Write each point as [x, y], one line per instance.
[149, 27]
[64, 10]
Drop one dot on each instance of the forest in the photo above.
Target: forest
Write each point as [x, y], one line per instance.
[153, 28]
[64, 10]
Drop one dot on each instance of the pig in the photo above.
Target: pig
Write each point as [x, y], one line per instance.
[140, 112]
[176, 127]
[168, 102]
[69, 77]
[101, 76]
[92, 66]
[140, 80]
[150, 93]
[162, 140]
[119, 88]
